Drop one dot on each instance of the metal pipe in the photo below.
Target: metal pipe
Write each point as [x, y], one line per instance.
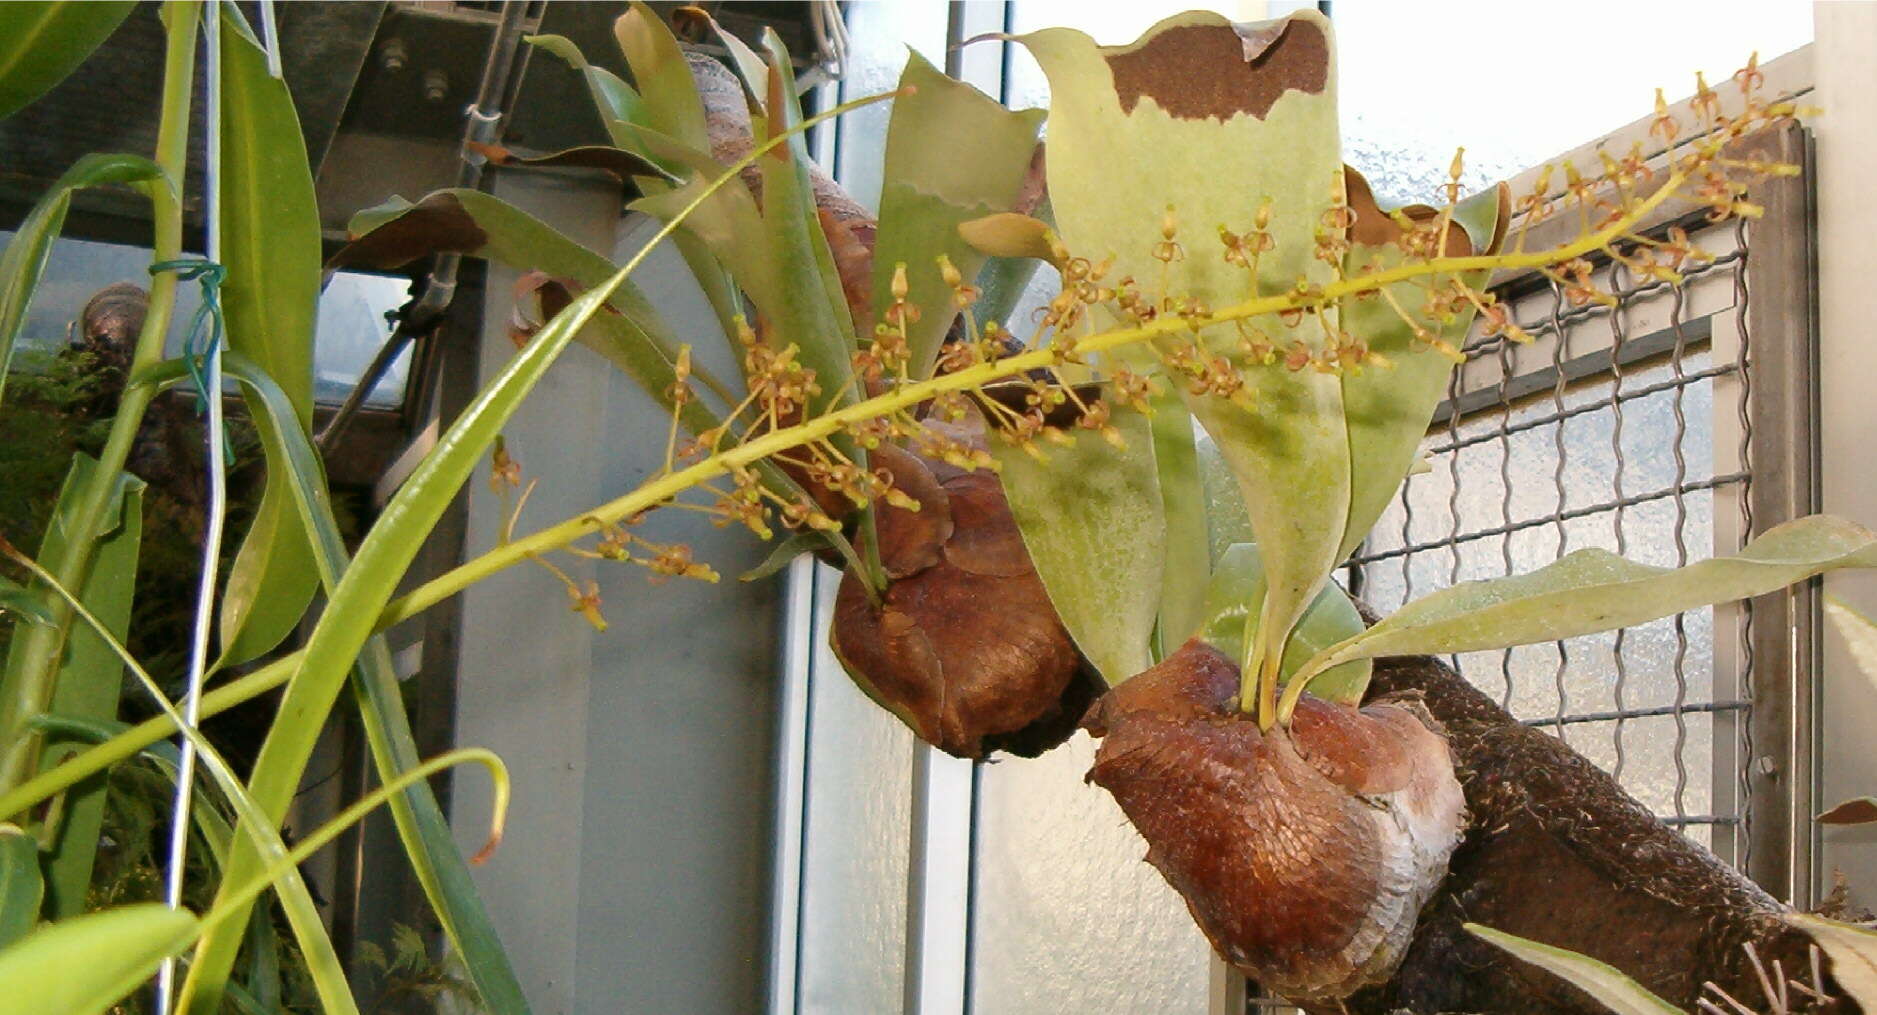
[502, 73]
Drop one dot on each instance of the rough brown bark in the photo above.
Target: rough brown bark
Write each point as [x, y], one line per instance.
[1556, 851]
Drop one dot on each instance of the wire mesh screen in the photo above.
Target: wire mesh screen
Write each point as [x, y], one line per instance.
[1619, 426]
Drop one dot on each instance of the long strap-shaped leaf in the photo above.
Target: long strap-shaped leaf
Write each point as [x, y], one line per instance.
[40, 43]
[420, 822]
[261, 837]
[91, 678]
[271, 248]
[1600, 980]
[24, 259]
[1595, 590]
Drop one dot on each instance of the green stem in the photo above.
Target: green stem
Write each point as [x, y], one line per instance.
[27, 691]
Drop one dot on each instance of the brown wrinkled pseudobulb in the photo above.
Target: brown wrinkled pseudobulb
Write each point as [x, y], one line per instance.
[964, 646]
[1305, 854]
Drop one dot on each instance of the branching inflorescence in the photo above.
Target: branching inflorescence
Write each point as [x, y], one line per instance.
[1070, 355]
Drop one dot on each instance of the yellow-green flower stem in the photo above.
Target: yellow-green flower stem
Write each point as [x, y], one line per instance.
[278, 672]
[42, 646]
[672, 484]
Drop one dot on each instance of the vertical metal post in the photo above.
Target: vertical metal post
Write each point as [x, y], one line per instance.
[1782, 771]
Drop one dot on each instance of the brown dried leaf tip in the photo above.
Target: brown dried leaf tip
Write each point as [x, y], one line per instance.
[964, 645]
[1304, 853]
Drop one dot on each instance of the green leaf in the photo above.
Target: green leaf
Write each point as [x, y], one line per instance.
[24, 259]
[663, 77]
[1594, 590]
[1388, 408]
[40, 43]
[1853, 954]
[18, 601]
[785, 552]
[617, 103]
[271, 247]
[1096, 529]
[811, 309]
[91, 677]
[424, 831]
[1227, 523]
[630, 333]
[88, 963]
[931, 183]
[1183, 498]
[21, 887]
[1602, 981]
[1194, 126]
[1237, 593]
[1859, 633]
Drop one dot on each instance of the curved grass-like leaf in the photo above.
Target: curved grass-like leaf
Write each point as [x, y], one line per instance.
[1600, 980]
[421, 825]
[40, 43]
[1236, 593]
[1189, 130]
[347, 623]
[1387, 408]
[90, 678]
[1093, 521]
[1594, 590]
[270, 244]
[86, 964]
[24, 259]
[952, 155]
[21, 887]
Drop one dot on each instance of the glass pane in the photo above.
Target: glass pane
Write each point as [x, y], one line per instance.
[1412, 76]
[352, 326]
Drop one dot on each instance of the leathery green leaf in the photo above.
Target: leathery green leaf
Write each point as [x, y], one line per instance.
[428, 842]
[1096, 529]
[1237, 593]
[40, 43]
[1183, 501]
[811, 309]
[91, 677]
[24, 259]
[1853, 954]
[271, 247]
[1388, 408]
[618, 104]
[88, 963]
[663, 78]
[1594, 590]
[1190, 130]
[16, 600]
[952, 155]
[629, 332]
[21, 887]
[1600, 980]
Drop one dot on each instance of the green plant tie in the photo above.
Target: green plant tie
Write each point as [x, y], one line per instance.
[205, 328]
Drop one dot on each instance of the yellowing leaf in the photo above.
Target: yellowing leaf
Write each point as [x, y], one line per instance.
[1600, 980]
[1593, 590]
